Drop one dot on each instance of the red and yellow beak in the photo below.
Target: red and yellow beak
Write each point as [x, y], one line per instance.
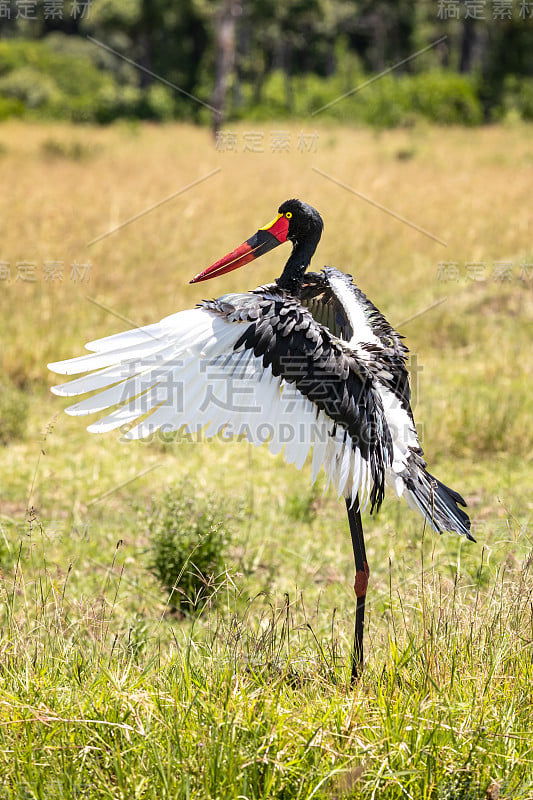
[262, 242]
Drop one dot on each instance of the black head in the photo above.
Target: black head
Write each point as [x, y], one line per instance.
[304, 221]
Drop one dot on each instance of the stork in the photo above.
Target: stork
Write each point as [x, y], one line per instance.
[306, 363]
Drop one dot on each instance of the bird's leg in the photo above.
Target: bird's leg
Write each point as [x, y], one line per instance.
[361, 582]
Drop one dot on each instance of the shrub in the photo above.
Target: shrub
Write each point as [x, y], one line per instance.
[393, 100]
[445, 97]
[68, 78]
[160, 102]
[188, 541]
[517, 98]
[63, 79]
[10, 107]
[29, 86]
[72, 74]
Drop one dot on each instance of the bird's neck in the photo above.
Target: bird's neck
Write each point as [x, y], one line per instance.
[293, 274]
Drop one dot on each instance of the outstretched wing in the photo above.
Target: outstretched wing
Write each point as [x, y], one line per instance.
[256, 365]
[337, 303]
[329, 378]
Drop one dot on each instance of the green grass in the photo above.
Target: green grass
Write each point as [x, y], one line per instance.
[252, 699]
[104, 693]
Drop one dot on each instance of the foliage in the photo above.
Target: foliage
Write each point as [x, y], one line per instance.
[55, 80]
[188, 541]
[64, 77]
[445, 98]
[517, 100]
[30, 87]
[442, 97]
[73, 73]
[10, 107]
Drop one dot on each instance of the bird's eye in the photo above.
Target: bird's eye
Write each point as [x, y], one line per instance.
[288, 214]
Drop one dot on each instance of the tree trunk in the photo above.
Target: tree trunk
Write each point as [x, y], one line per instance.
[225, 56]
[467, 45]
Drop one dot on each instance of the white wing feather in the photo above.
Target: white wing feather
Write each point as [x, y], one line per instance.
[183, 372]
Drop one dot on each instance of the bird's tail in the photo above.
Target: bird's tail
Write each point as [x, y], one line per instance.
[438, 503]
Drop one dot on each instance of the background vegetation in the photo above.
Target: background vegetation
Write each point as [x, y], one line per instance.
[105, 59]
[104, 691]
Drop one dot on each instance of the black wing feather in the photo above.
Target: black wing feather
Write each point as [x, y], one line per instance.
[303, 352]
[387, 357]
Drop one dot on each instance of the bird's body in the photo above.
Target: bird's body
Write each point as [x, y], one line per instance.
[306, 365]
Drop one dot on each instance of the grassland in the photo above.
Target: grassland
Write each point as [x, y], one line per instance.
[103, 692]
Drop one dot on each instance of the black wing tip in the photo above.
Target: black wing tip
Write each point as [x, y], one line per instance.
[455, 495]
[440, 504]
[465, 522]
[463, 529]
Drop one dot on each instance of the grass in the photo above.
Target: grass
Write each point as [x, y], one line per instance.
[103, 692]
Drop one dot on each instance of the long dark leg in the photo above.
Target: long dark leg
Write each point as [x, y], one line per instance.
[361, 582]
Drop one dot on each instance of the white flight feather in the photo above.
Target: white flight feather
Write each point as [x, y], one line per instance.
[193, 351]
[94, 361]
[319, 449]
[187, 323]
[96, 380]
[362, 331]
[356, 474]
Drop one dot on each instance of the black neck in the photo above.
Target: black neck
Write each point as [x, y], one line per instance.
[293, 274]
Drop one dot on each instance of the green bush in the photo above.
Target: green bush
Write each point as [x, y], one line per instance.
[517, 98]
[55, 78]
[383, 104]
[10, 107]
[444, 97]
[73, 73]
[391, 101]
[28, 85]
[67, 77]
[188, 541]
[160, 102]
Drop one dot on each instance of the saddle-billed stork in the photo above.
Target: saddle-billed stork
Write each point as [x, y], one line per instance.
[304, 363]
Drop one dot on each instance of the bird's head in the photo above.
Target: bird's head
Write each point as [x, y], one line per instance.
[304, 221]
[295, 221]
